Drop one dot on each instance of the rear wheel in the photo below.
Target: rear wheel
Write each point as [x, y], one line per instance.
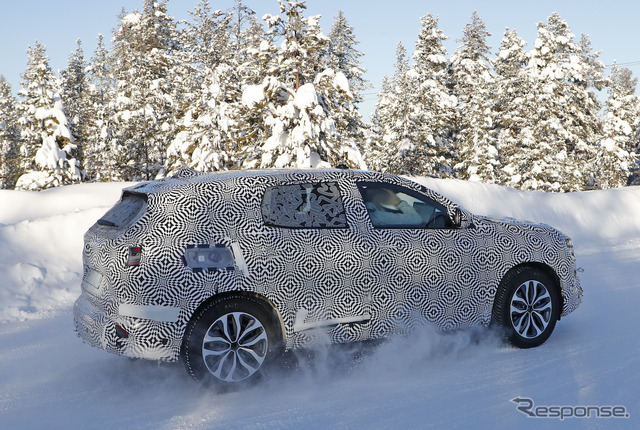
[526, 307]
[231, 340]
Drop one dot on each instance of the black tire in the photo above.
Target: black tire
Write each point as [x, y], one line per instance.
[513, 321]
[251, 315]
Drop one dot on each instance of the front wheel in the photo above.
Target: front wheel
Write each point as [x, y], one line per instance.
[526, 307]
[231, 340]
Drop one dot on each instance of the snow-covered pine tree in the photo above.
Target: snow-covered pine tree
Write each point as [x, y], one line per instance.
[512, 57]
[343, 56]
[74, 92]
[287, 120]
[9, 137]
[513, 109]
[393, 117]
[433, 107]
[253, 35]
[473, 83]
[616, 155]
[207, 36]
[207, 97]
[592, 77]
[593, 67]
[143, 119]
[248, 37]
[205, 140]
[100, 152]
[247, 33]
[376, 149]
[46, 141]
[258, 59]
[566, 118]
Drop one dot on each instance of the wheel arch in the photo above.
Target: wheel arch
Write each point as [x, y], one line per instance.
[268, 304]
[543, 267]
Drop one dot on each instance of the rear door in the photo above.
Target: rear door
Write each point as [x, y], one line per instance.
[319, 265]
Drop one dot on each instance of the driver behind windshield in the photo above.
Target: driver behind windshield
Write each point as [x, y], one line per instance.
[387, 209]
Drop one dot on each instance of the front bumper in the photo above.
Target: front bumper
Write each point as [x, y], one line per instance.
[571, 295]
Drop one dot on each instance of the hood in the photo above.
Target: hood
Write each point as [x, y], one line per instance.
[519, 223]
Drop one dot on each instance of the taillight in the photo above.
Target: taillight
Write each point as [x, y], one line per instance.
[135, 252]
[121, 332]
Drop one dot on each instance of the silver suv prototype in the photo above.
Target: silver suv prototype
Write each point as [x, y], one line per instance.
[226, 271]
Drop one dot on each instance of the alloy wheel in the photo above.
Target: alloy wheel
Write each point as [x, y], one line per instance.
[531, 309]
[235, 346]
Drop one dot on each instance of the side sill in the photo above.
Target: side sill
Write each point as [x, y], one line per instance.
[300, 324]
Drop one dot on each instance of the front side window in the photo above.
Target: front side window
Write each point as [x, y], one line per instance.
[391, 206]
[304, 206]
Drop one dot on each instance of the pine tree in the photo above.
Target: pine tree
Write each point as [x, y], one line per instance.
[258, 59]
[616, 155]
[593, 68]
[566, 115]
[287, 120]
[513, 109]
[100, 151]
[207, 36]
[343, 56]
[433, 106]
[393, 117]
[205, 140]
[249, 40]
[246, 32]
[143, 120]
[74, 92]
[253, 35]
[512, 57]
[47, 143]
[472, 83]
[9, 137]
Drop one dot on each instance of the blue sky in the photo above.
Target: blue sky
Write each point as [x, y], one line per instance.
[379, 25]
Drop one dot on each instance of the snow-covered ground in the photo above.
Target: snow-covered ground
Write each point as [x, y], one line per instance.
[49, 379]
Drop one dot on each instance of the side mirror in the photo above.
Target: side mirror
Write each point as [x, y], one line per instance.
[457, 218]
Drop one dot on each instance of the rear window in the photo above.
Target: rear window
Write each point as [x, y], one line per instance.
[124, 212]
[304, 206]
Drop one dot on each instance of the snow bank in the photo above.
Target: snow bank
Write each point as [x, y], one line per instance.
[41, 238]
[41, 234]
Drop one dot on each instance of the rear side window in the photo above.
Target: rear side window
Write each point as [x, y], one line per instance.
[124, 212]
[304, 206]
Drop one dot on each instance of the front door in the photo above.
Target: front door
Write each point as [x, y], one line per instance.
[423, 264]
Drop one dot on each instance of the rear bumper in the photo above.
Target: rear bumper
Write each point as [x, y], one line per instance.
[95, 328]
[146, 338]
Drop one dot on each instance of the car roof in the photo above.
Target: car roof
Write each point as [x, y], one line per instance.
[186, 177]
[190, 178]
